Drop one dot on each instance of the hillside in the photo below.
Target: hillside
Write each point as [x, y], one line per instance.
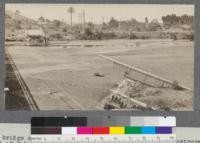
[16, 23]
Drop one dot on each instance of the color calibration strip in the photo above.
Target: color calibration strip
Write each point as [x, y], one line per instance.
[162, 121]
[102, 130]
[102, 126]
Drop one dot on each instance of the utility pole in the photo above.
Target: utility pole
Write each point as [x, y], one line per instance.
[71, 11]
[81, 20]
[84, 19]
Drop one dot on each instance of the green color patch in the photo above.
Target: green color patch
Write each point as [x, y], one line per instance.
[133, 130]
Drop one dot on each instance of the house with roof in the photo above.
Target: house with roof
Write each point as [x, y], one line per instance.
[36, 37]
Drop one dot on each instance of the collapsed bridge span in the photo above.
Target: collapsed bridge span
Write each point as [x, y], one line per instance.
[144, 77]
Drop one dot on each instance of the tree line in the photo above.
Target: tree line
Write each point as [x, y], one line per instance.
[173, 19]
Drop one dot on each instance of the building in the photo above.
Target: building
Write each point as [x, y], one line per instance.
[36, 37]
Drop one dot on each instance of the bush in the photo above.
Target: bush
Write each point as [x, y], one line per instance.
[87, 35]
[133, 36]
[99, 35]
[190, 37]
[173, 36]
[109, 35]
[90, 35]
[64, 29]
[56, 36]
[145, 37]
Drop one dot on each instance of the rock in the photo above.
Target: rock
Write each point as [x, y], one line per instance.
[98, 74]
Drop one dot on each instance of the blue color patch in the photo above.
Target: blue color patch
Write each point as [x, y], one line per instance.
[148, 130]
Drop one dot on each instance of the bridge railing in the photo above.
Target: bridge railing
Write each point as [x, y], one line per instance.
[142, 76]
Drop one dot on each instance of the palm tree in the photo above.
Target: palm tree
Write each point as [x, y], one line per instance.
[71, 11]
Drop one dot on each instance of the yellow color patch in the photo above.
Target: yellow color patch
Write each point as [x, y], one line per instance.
[117, 130]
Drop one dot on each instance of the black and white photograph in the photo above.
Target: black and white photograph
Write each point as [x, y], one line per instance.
[119, 57]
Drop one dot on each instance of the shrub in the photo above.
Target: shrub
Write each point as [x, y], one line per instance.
[56, 36]
[133, 36]
[109, 35]
[190, 37]
[145, 37]
[90, 35]
[173, 36]
[99, 35]
[87, 35]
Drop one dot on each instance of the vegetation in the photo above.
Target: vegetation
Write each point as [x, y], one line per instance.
[96, 35]
[154, 26]
[113, 29]
[133, 36]
[173, 36]
[173, 19]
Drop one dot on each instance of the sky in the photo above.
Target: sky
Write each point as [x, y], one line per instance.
[98, 13]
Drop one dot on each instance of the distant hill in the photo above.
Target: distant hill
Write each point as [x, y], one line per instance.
[15, 25]
[15, 21]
